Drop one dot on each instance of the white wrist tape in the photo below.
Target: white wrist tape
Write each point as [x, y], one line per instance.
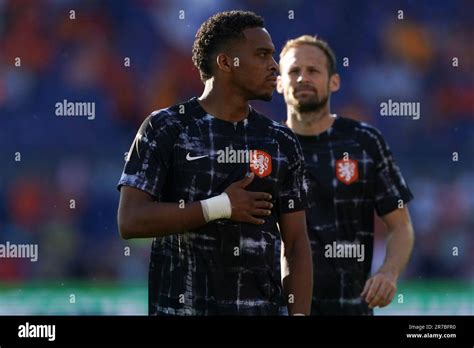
[299, 314]
[218, 207]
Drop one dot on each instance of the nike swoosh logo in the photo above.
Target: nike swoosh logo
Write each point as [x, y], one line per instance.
[191, 158]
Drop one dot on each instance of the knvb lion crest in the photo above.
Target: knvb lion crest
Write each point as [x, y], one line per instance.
[260, 163]
[347, 171]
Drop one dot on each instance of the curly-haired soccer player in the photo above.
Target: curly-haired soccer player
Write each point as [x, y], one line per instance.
[215, 183]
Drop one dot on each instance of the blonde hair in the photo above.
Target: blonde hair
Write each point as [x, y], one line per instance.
[316, 42]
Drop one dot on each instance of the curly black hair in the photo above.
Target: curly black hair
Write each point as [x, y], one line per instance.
[218, 31]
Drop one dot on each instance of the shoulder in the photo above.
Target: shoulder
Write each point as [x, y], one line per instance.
[358, 127]
[169, 120]
[367, 135]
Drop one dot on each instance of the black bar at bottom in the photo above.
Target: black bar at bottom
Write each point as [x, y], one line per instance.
[139, 330]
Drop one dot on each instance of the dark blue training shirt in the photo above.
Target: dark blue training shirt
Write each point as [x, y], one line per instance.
[182, 154]
[352, 174]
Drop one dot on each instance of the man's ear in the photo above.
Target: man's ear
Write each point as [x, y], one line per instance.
[334, 82]
[224, 62]
[279, 85]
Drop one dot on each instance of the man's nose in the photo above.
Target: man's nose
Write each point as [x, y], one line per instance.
[303, 77]
[274, 67]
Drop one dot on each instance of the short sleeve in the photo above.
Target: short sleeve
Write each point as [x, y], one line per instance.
[293, 195]
[149, 157]
[390, 186]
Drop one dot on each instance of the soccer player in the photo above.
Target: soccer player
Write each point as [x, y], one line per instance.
[352, 173]
[215, 183]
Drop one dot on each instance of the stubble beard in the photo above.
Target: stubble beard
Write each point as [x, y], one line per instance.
[313, 105]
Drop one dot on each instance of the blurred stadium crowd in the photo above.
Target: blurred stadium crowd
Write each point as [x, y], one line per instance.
[82, 59]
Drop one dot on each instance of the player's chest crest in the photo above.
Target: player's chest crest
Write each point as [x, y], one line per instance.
[259, 162]
[347, 170]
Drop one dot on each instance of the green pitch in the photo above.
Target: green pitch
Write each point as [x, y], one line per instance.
[95, 298]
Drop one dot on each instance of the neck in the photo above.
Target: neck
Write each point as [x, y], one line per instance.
[309, 123]
[219, 100]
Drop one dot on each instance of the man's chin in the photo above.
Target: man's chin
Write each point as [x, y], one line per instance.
[310, 107]
[264, 97]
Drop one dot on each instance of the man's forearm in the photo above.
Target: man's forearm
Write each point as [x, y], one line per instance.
[297, 275]
[398, 250]
[153, 219]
